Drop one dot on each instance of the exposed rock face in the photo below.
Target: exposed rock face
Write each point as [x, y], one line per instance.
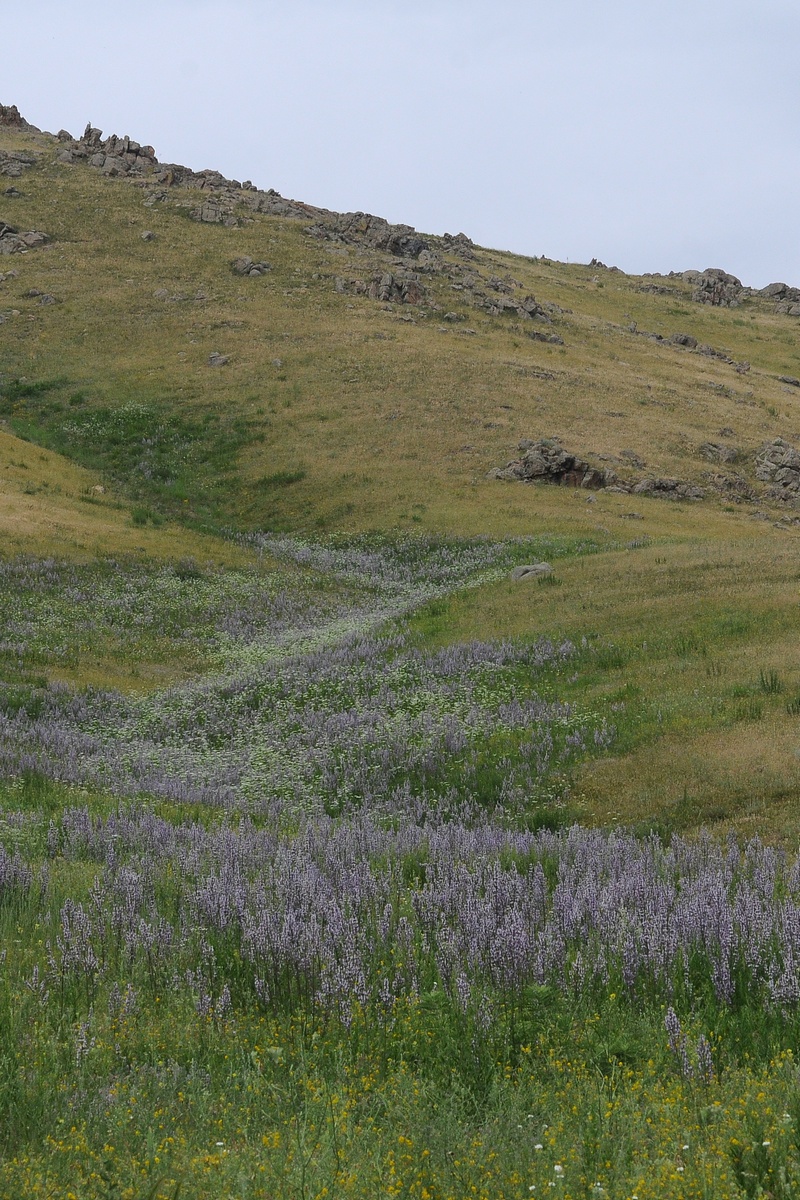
[114, 156]
[499, 304]
[717, 287]
[781, 291]
[353, 228]
[459, 244]
[402, 287]
[778, 463]
[10, 116]
[547, 460]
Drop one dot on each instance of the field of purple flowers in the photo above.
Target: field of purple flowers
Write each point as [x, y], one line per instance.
[312, 923]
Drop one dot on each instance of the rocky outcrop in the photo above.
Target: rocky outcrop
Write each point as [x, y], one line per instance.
[402, 287]
[499, 304]
[546, 461]
[778, 464]
[399, 286]
[458, 244]
[366, 230]
[717, 287]
[114, 156]
[11, 118]
[780, 291]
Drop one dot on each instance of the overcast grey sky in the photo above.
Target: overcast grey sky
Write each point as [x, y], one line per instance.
[655, 135]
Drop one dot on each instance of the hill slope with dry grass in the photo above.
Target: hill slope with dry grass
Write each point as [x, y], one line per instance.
[180, 361]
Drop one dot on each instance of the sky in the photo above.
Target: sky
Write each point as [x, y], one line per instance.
[655, 135]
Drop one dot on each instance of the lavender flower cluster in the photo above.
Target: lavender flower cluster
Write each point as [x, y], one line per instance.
[359, 912]
[369, 721]
[312, 702]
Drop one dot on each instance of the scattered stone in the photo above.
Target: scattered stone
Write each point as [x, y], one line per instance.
[216, 359]
[741, 368]
[726, 431]
[552, 338]
[714, 452]
[47, 299]
[246, 266]
[533, 571]
[790, 380]
[683, 339]
[14, 242]
[161, 294]
[710, 352]
[148, 236]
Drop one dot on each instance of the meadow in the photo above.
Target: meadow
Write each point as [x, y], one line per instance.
[333, 861]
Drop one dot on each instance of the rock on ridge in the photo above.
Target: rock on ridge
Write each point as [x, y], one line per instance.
[717, 287]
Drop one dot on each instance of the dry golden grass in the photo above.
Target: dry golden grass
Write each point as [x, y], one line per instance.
[395, 416]
[385, 410]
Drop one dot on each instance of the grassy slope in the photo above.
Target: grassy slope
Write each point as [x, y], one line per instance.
[339, 413]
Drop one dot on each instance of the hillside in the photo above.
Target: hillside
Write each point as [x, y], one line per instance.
[336, 410]
[399, 701]
[373, 378]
